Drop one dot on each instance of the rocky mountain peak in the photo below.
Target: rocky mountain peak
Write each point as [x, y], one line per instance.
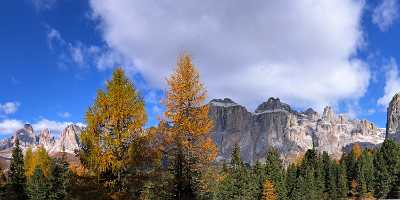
[69, 139]
[45, 138]
[25, 135]
[273, 104]
[328, 114]
[291, 133]
[393, 118]
[226, 102]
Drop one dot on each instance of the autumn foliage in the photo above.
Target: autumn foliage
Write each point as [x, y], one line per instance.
[114, 121]
[269, 192]
[189, 126]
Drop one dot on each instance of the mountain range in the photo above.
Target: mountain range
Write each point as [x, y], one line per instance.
[274, 124]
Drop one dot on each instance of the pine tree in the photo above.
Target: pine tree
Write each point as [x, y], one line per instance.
[386, 168]
[332, 187]
[291, 180]
[275, 172]
[17, 172]
[114, 120]
[187, 115]
[299, 192]
[237, 184]
[38, 188]
[59, 180]
[269, 192]
[342, 187]
[367, 163]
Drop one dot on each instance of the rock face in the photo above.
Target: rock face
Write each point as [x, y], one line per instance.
[393, 118]
[275, 124]
[45, 139]
[69, 140]
[26, 136]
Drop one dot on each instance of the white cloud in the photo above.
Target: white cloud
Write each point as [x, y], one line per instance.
[80, 55]
[64, 114]
[9, 126]
[392, 85]
[9, 108]
[301, 51]
[385, 14]
[44, 4]
[53, 126]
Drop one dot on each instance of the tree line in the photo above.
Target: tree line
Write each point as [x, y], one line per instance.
[121, 159]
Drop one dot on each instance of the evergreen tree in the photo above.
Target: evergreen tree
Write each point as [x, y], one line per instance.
[386, 168]
[189, 127]
[291, 180]
[309, 185]
[275, 173]
[59, 180]
[367, 170]
[332, 173]
[342, 188]
[300, 189]
[17, 172]
[114, 121]
[236, 184]
[38, 186]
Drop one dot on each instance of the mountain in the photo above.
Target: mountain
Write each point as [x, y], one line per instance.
[67, 142]
[275, 124]
[393, 119]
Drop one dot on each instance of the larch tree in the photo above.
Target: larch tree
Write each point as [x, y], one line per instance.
[189, 127]
[29, 162]
[269, 192]
[114, 121]
[16, 173]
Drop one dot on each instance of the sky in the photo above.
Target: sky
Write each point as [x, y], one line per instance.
[55, 54]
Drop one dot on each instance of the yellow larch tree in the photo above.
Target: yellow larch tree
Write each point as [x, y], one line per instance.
[269, 192]
[114, 122]
[189, 126]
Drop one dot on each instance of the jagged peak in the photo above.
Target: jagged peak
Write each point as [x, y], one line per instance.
[328, 113]
[273, 104]
[226, 102]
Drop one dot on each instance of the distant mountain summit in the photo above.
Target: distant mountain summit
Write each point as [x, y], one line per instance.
[67, 142]
[275, 124]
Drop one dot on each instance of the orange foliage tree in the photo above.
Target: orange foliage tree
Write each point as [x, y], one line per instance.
[114, 122]
[189, 127]
[269, 192]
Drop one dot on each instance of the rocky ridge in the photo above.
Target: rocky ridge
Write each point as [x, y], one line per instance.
[393, 119]
[275, 124]
[67, 142]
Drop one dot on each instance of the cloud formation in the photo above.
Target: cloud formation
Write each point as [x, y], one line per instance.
[44, 4]
[9, 126]
[81, 55]
[392, 85]
[64, 114]
[385, 14]
[9, 108]
[301, 51]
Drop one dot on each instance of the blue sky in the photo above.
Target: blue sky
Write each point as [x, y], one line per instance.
[55, 54]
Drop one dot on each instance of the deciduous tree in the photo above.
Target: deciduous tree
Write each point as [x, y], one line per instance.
[189, 125]
[114, 120]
